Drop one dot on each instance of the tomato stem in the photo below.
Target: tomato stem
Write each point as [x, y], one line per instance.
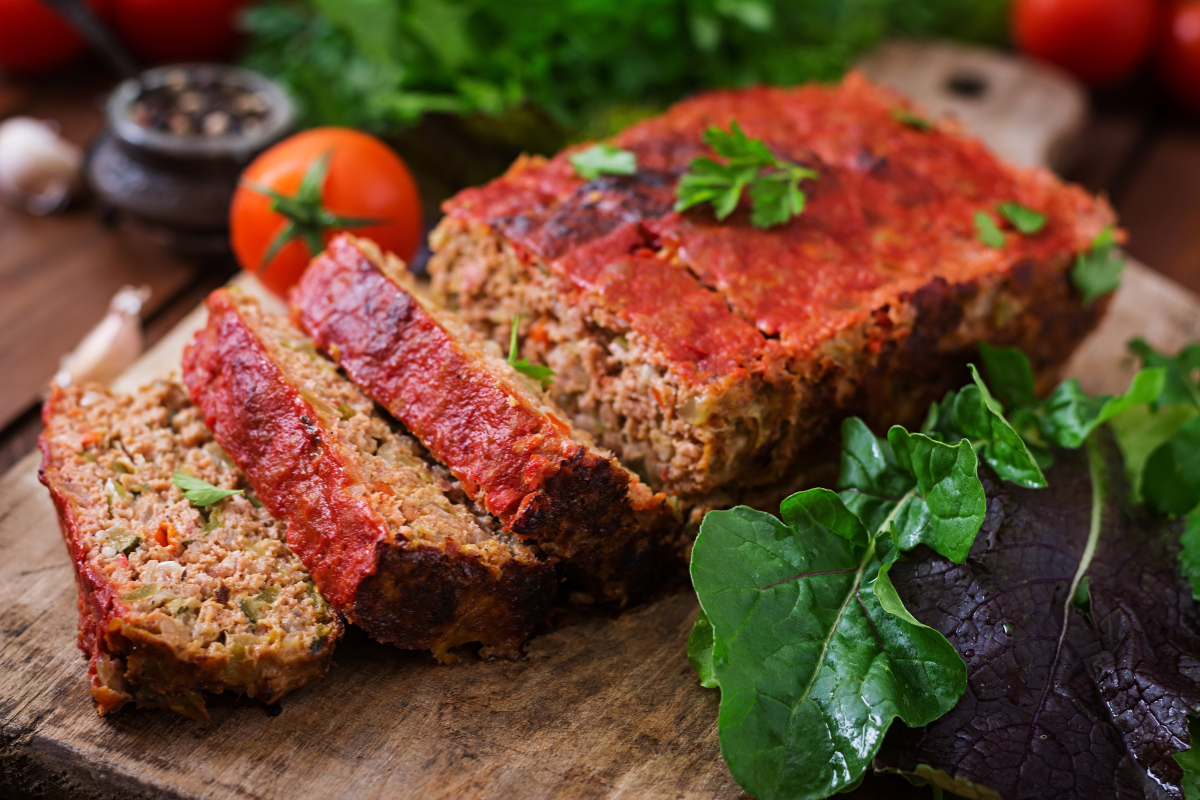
[307, 218]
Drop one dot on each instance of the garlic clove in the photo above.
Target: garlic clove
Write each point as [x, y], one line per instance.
[39, 170]
[110, 347]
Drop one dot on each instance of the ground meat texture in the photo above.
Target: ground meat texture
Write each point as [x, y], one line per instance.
[713, 355]
[496, 429]
[174, 599]
[388, 535]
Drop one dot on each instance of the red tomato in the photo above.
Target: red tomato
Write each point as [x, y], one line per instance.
[1099, 41]
[33, 38]
[178, 30]
[1179, 58]
[365, 180]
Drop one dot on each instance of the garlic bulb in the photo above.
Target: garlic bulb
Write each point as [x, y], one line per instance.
[38, 169]
[111, 346]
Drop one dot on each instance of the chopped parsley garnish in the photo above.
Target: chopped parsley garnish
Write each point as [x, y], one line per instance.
[200, 492]
[988, 232]
[603, 159]
[535, 371]
[1098, 271]
[914, 121]
[774, 184]
[1025, 220]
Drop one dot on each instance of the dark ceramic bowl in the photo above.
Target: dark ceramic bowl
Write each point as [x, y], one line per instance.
[181, 183]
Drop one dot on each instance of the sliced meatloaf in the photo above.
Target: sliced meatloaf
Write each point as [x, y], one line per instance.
[712, 354]
[176, 596]
[390, 538]
[495, 428]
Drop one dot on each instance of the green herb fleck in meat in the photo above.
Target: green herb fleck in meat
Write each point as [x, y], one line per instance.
[140, 593]
[200, 492]
[535, 371]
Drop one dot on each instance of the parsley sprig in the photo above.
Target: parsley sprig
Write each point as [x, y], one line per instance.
[535, 371]
[1098, 271]
[774, 184]
[603, 159]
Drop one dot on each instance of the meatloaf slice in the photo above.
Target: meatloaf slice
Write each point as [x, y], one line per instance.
[495, 428]
[175, 597]
[390, 539]
[712, 354]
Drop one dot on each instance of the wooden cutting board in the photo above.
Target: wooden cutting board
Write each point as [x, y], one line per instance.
[604, 708]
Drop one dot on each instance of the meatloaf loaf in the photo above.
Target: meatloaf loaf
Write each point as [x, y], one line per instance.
[710, 353]
[176, 596]
[391, 540]
[494, 427]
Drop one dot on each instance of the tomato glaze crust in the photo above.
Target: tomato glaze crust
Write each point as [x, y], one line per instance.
[493, 427]
[415, 579]
[754, 342]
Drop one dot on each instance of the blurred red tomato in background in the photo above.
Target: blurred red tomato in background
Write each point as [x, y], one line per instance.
[1179, 56]
[33, 38]
[1099, 41]
[160, 31]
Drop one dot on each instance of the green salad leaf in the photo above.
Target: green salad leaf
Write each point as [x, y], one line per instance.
[1070, 415]
[981, 418]
[1009, 374]
[1189, 760]
[1141, 430]
[813, 651]
[1171, 480]
[700, 650]
[1025, 220]
[774, 184]
[1189, 556]
[1098, 271]
[919, 489]
[1183, 372]
[603, 159]
[200, 492]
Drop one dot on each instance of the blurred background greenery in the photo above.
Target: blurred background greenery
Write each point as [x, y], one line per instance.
[536, 74]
